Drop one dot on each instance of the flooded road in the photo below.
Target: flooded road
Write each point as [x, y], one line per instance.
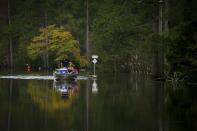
[108, 103]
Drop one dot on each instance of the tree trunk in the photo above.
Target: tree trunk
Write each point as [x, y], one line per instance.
[115, 63]
[10, 39]
[166, 27]
[45, 55]
[87, 31]
[161, 47]
[46, 42]
[158, 57]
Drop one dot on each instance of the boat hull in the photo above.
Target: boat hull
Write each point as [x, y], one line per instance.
[65, 76]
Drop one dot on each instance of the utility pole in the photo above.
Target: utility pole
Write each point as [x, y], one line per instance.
[10, 39]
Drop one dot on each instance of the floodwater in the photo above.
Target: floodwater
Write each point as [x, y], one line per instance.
[109, 103]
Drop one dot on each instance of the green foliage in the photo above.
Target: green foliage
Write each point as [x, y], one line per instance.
[120, 32]
[181, 51]
[181, 41]
[57, 42]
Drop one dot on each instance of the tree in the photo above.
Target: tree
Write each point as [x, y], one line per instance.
[182, 36]
[120, 32]
[60, 44]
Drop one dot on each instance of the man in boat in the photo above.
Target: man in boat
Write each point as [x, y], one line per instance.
[65, 62]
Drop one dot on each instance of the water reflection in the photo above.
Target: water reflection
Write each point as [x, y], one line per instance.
[10, 103]
[125, 102]
[94, 86]
[67, 89]
[158, 105]
[181, 106]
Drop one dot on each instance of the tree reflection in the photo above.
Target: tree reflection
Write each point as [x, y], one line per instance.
[158, 103]
[64, 90]
[181, 105]
[10, 103]
[126, 102]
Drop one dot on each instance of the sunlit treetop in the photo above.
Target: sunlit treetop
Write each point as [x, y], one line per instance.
[58, 43]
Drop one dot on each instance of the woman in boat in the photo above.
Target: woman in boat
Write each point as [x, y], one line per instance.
[28, 68]
[72, 68]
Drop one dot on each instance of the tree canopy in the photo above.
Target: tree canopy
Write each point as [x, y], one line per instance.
[57, 43]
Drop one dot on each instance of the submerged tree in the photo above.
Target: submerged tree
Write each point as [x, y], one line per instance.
[60, 43]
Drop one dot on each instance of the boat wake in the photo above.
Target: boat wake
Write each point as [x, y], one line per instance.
[36, 77]
[28, 77]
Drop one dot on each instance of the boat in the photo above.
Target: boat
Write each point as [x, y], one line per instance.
[64, 74]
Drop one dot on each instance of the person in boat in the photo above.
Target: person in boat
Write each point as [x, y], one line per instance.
[71, 67]
[65, 62]
[28, 68]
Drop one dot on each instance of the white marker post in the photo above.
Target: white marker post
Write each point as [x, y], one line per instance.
[94, 57]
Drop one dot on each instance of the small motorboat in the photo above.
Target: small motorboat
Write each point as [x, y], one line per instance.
[64, 74]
